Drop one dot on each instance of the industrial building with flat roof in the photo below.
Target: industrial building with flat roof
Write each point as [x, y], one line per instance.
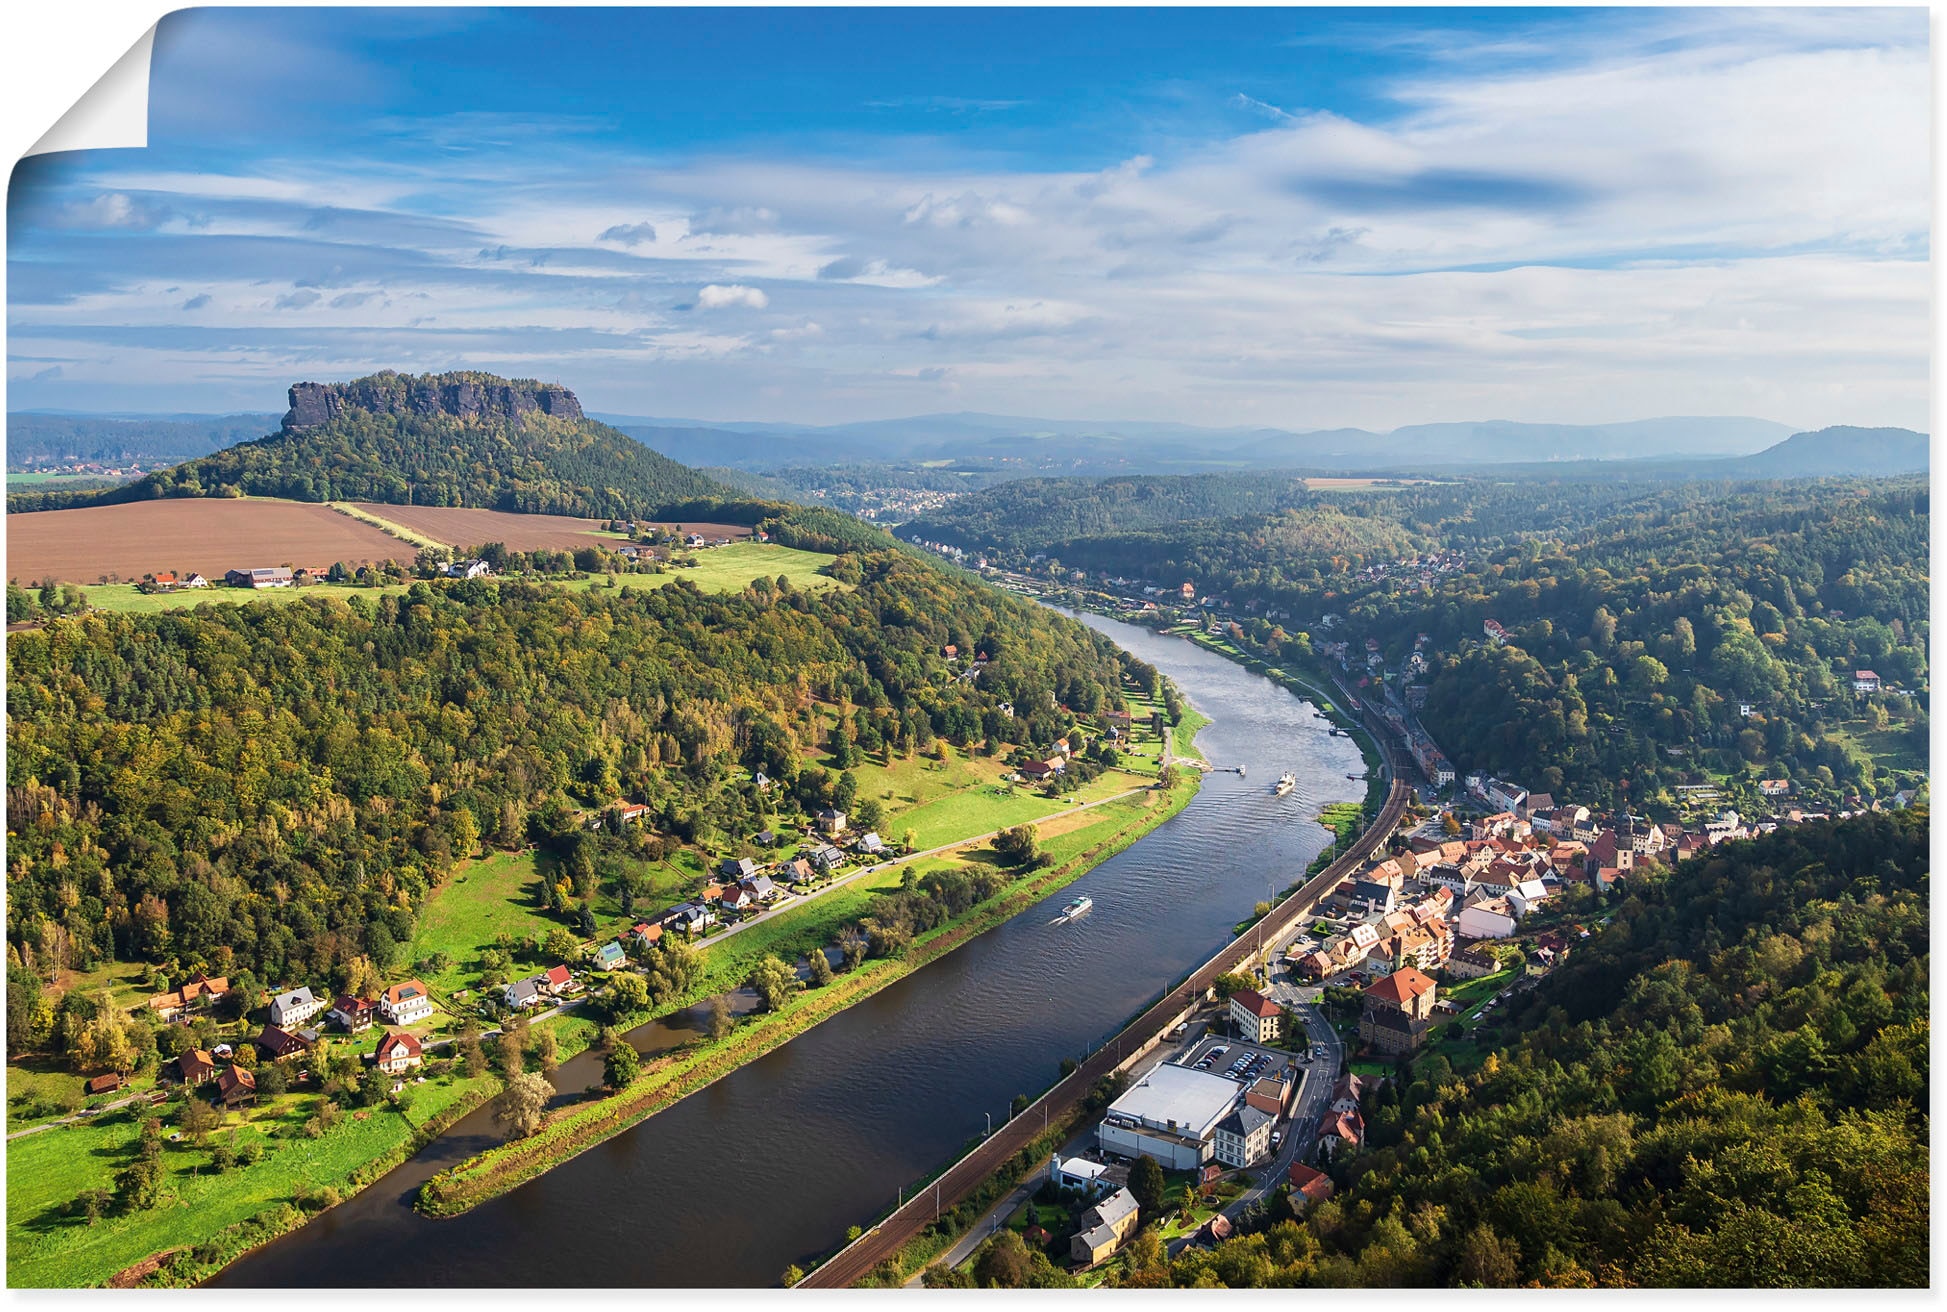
[1171, 1115]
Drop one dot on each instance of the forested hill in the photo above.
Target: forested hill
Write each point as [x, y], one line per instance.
[454, 439]
[277, 787]
[37, 440]
[1727, 1087]
[1034, 514]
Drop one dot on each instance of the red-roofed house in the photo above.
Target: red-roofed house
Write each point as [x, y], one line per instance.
[1309, 1184]
[1397, 1011]
[559, 976]
[1865, 681]
[398, 1053]
[1256, 1017]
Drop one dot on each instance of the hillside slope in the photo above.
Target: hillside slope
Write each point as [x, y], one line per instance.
[1727, 1087]
[453, 439]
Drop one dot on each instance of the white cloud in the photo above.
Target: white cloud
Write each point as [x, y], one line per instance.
[715, 297]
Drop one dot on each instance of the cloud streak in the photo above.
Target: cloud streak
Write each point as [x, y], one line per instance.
[1594, 217]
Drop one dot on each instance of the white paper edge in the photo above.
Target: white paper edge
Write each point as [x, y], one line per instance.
[113, 113]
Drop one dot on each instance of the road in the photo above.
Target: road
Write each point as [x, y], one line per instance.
[959, 1180]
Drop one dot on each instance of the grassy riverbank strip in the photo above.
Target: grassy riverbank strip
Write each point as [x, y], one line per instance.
[669, 1079]
[203, 1218]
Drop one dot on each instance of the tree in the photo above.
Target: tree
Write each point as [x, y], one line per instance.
[1017, 846]
[1004, 1262]
[522, 1105]
[620, 1065]
[627, 995]
[198, 1119]
[852, 946]
[545, 1052]
[774, 982]
[473, 1055]
[1488, 1259]
[717, 1020]
[512, 1051]
[821, 968]
[1147, 1185]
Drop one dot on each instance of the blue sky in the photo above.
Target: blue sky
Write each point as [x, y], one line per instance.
[1300, 218]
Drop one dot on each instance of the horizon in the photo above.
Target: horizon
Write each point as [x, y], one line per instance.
[1293, 220]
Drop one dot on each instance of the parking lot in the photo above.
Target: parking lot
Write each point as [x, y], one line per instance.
[1240, 1061]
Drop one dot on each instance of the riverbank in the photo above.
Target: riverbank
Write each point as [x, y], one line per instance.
[672, 1078]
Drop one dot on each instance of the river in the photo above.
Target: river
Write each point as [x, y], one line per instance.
[768, 1166]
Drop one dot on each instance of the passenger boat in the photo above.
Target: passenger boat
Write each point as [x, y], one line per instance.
[1079, 907]
[1286, 782]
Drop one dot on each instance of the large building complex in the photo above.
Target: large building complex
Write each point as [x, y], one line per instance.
[1172, 1116]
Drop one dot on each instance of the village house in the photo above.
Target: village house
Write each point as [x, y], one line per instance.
[763, 888]
[735, 897]
[611, 956]
[870, 844]
[236, 1086]
[1485, 916]
[825, 858]
[1308, 1185]
[197, 1067]
[1865, 681]
[398, 1053]
[645, 933]
[196, 995]
[1244, 1136]
[468, 569]
[1255, 1016]
[693, 916]
[1105, 1225]
[1397, 1012]
[734, 868]
[1340, 1132]
[831, 821]
[522, 993]
[276, 1043]
[1093, 1179]
[1472, 962]
[293, 1007]
[406, 1004]
[555, 979]
[352, 1015]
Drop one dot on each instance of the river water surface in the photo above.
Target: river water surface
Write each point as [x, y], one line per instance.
[771, 1164]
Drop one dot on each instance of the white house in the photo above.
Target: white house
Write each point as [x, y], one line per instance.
[1526, 896]
[1487, 918]
[293, 1007]
[406, 1004]
[1243, 1136]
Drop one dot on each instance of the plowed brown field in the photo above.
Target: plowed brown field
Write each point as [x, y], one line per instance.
[206, 535]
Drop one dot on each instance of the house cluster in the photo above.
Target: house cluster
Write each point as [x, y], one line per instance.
[183, 1005]
[170, 581]
[549, 985]
[289, 1033]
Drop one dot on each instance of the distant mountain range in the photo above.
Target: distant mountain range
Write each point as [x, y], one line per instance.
[1016, 446]
[1050, 446]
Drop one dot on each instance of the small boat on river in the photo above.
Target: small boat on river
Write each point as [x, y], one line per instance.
[1286, 782]
[1076, 909]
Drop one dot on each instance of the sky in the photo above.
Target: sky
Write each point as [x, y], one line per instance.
[1294, 218]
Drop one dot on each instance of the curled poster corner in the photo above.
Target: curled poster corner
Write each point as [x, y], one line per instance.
[113, 113]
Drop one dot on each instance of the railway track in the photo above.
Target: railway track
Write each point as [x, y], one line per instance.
[857, 1259]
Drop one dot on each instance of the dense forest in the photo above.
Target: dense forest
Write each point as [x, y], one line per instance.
[1658, 633]
[377, 445]
[1038, 514]
[1727, 1087]
[277, 787]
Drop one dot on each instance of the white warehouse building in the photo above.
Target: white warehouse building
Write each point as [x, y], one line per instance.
[1171, 1116]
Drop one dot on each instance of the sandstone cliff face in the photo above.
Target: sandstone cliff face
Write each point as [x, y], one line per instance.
[464, 396]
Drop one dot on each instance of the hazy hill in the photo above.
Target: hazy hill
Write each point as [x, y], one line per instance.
[1839, 452]
[1027, 445]
[36, 439]
[455, 439]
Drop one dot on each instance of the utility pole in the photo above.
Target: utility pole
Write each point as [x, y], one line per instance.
[990, 1124]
